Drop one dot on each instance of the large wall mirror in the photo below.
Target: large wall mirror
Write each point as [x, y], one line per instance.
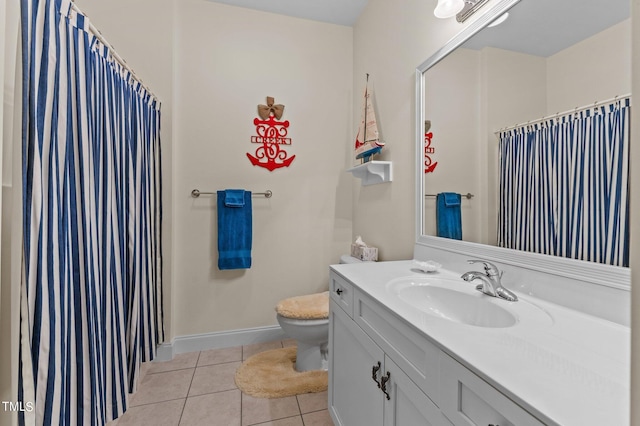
[549, 59]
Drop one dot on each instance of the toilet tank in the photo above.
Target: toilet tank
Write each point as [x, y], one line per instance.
[345, 258]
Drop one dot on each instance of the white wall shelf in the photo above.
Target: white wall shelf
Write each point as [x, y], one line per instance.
[373, 172]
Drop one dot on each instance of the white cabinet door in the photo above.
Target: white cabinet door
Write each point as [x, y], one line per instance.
[354, 396]
[413, 352]
[406, 404]
[467, 400]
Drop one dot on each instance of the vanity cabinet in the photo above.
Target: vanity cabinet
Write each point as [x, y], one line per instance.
[354, 396]
[468, 400]
[407, 404]
[383, 372]
[367, 387]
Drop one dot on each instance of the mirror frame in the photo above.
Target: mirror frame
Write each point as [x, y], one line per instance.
[590, 272]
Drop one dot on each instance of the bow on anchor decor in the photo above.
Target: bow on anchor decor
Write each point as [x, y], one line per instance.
[265, 110]
[271, 135]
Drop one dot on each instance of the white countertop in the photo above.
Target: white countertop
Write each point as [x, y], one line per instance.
[568, 368]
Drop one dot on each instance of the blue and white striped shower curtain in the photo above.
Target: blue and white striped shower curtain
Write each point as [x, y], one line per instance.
[564, 186]
[91, 297]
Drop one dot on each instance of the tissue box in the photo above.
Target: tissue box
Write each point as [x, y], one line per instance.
[364, 253]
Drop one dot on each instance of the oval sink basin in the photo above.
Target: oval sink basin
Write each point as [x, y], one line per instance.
[472, 309]
[452, 299]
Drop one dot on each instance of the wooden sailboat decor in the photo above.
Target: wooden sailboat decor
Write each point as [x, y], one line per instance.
[368, 140]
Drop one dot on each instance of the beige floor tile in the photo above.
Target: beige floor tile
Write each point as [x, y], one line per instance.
[213, 398]
[249, 350]
[313, 401]
[162, 414]
[214, 378]
[260, 410]
[144, 369]
[289, 421]
[179, 362]
[214, 409]
[163, 387]
[219, 356]
[318, 418]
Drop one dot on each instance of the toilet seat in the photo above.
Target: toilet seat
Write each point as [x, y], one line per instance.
[307, 307]
[303, 322]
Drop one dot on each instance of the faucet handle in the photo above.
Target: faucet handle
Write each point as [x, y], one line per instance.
[491, 269]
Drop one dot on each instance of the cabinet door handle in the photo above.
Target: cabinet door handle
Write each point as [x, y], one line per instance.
[383, 384]
[374, 373]
[339, 291]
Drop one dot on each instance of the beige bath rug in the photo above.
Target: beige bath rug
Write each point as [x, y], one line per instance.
[272, 374]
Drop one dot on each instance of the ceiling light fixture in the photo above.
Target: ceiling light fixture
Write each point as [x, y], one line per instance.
[499, 21]
[448, 8]
[470, 7]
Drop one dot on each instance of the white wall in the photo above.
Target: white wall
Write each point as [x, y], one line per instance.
[142, 34]
[514, 88]
[211, 65]
[508, 78]
[3, 37]
[228, 60]
[594, 69]
[10, 216]
[453, 106]
[635, 218]
[6, 393]
[389, 43]
[471, 94]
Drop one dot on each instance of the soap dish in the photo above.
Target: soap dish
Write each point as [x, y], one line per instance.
[428, 266]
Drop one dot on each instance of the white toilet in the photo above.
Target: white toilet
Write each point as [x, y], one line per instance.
[306, 319]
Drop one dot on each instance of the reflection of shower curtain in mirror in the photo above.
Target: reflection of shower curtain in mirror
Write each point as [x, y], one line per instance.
[564, 186]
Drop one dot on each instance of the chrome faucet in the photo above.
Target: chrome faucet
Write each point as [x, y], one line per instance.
[491, 284]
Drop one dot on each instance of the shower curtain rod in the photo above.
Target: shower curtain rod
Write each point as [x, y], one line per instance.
[96, 32]
[562, 114]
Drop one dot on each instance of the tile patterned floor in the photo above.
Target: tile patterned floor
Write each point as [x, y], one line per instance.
[198, 388]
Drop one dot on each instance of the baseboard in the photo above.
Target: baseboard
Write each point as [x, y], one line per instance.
[218, 340]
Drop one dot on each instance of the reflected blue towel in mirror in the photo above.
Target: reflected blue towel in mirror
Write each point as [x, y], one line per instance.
[449, 215]
[234, 229]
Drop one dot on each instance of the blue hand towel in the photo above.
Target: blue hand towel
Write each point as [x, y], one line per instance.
[449, 215]
[234, 197]
[234, 229]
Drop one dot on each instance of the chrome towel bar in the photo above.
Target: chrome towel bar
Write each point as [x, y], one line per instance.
[468, 195]
[196, 193]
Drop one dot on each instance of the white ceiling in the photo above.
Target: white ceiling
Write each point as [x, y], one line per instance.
[341, 12]
[545, 27]
[536, 27]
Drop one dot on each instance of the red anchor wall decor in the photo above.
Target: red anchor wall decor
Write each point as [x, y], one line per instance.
[428, 136]
[271, 134]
